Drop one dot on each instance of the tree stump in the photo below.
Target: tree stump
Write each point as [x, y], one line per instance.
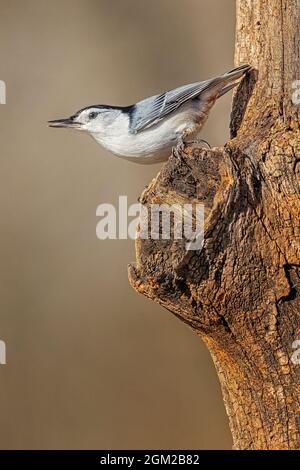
[240, 292]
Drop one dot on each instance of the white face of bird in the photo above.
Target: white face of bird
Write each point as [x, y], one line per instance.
[94, 120]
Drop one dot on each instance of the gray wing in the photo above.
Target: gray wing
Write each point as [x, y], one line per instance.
[151, 110]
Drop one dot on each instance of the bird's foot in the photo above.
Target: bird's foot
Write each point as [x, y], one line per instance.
[179, 149]
[181, 144]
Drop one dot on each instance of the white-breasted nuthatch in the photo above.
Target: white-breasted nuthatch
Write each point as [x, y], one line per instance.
[147, 131]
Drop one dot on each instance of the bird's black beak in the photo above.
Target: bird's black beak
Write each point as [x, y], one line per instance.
[68, 122]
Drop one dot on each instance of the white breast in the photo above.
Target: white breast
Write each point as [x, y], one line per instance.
[151, 145]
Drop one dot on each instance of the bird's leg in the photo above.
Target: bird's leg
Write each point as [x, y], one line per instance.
[177, 151]
[182, 142]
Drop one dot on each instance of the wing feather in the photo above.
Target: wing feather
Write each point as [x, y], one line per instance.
[151, 110]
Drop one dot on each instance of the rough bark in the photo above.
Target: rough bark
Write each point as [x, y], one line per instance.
[240, 292]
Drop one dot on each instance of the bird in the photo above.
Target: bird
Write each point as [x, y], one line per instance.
[147, 131]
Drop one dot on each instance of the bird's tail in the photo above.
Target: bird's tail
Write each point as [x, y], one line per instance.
[238, 72]
[232, 78]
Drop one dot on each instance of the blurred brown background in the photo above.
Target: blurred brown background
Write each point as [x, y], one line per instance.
[90, 363]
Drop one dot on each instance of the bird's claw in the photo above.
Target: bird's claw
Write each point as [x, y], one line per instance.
[179, 149]
[199, 141]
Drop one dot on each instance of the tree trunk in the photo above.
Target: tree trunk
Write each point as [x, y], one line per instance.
[240, 292]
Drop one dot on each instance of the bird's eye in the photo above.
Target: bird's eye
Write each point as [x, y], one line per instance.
[93, 115]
